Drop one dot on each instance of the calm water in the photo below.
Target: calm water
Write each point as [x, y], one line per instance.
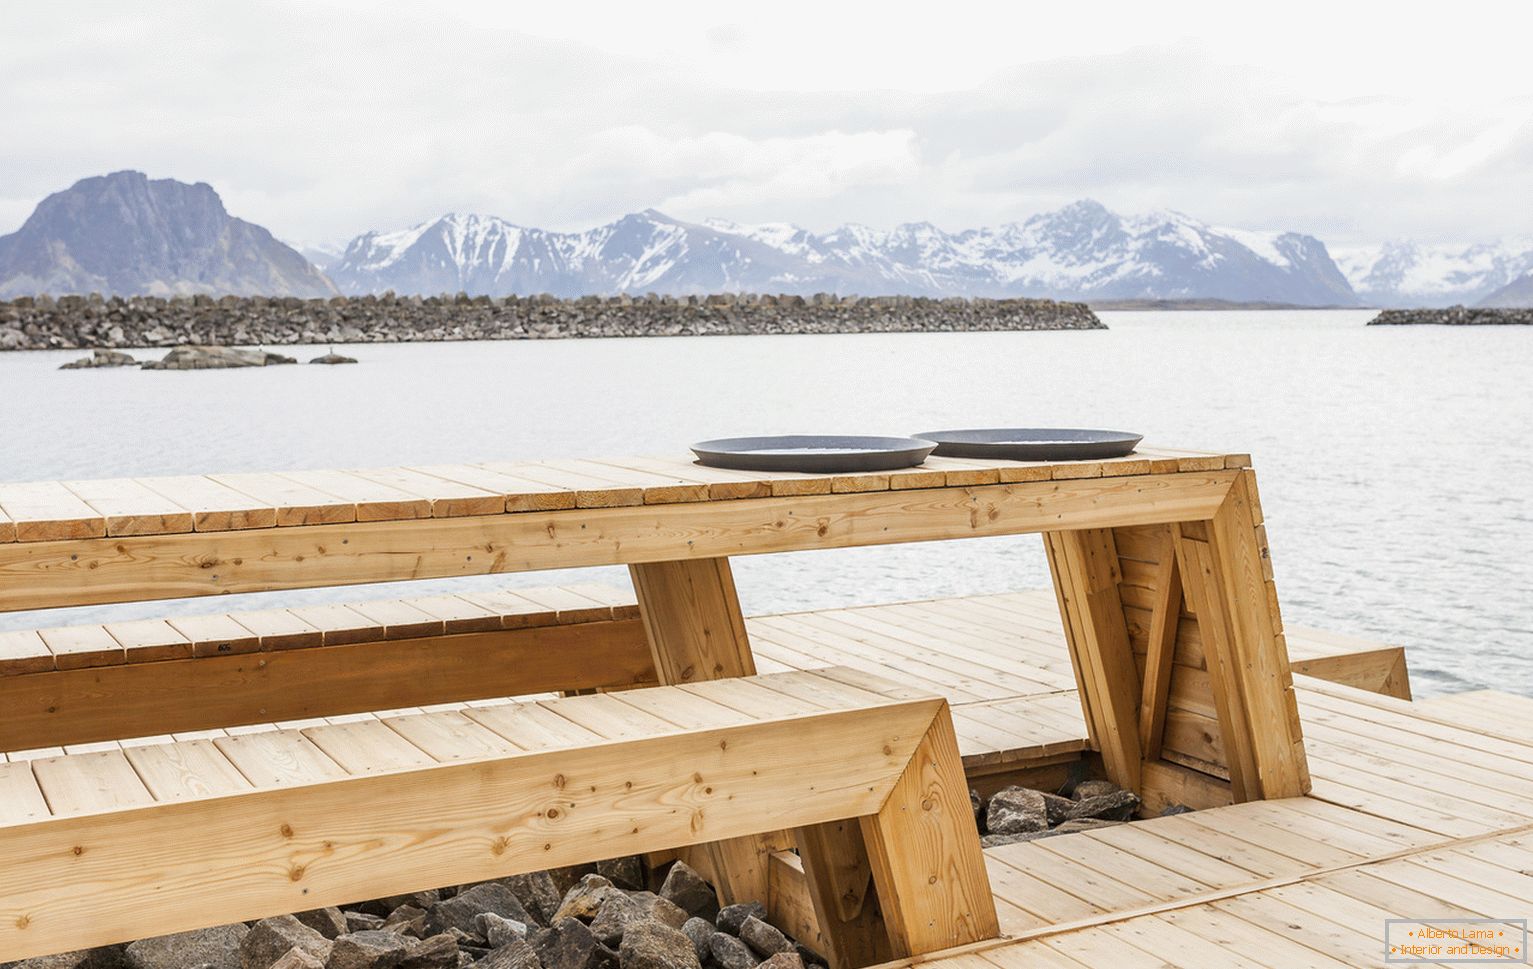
[1394, 470]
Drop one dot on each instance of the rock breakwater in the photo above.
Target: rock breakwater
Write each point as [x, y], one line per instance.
[87, 322]
[1455, 316]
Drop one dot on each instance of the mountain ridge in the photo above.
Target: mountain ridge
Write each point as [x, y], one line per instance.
[126, 234]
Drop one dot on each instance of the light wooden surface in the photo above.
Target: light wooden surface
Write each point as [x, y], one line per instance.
[136, 837]
[50, 511]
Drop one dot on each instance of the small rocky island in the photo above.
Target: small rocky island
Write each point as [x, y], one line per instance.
[1456, 316]
[191, 357]
[88, 322]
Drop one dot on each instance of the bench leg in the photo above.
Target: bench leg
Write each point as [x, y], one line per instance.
[696, 632]
[839, 877]
[922, 848]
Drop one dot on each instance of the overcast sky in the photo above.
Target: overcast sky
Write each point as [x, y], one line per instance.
[1353, 121]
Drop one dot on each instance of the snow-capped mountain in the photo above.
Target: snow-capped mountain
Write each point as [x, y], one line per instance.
[1080, 251]
[1404, 274]
[1518, 293]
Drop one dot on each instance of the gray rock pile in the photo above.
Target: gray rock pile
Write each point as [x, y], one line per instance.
[101, 358]
[1017, 814]
[43, 322]
[1456, 316]
[591, 917]
[194, 357]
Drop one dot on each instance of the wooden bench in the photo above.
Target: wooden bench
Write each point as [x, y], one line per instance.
[92, 683]
[105, 847]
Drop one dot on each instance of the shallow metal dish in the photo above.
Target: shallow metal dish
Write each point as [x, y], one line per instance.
[1033, 443]
[813, 452]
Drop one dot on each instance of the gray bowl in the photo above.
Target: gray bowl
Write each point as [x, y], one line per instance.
[1033, 443]
[813, 452]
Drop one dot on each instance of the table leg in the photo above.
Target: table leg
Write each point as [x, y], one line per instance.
[696, 632]
[1220, 678]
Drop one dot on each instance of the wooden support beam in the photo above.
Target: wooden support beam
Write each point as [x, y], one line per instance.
[82, 706]
[1086, 576]
[924, 850]
[838, 877]
[1165, 620]
[691, 615]
[1225, 567]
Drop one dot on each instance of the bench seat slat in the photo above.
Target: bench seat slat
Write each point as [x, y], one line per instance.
[399, 619]
[186, 771]
[149, 640]
[214, 507]
[87, 783]
[79, 647]
[373, 502]
[131, 508]
[338, 624]
[23, 651]
[367, 747]
[216, 635]
[457, 614]
[519, 494]
[449, 499]
[296, 504]
[567, 605]
[450, 736]
[21, 800]
[607, 716]
[531, 727]
[686, 710]
[750, 698]
[279, 629]
[274, 758]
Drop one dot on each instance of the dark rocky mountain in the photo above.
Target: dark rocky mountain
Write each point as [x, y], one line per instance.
[1516, 294]
[127, 234]
[1082, 251]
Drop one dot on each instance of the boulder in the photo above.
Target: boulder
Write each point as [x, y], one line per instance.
[1093, 788]
[298, 959]
[362, 921]
[331, 359]
[1119, 805]
[101, 358]
[373, 949]
[763, 937]
[215, 948]
[701, 933]
[687, 889]
[498, 930]
[1084, 824]
[1172, 809]
[513, 955]
[731, 917]
[730, 953]
[784, 960]
[460, 911]
[570, 944]
[655, 945]
[328, 922]
[539, 893]
[996, 840]
[437, 952]
[586, 898]
[978, 805]
[1017, 810]
[271, 939]
[407, 919]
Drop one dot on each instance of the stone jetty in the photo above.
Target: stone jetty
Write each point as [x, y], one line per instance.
[1455, 316]
[43, 323]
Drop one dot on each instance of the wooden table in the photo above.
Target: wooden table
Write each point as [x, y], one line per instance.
[1159, 560]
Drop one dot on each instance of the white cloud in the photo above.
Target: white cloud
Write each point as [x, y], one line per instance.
[1352, 121]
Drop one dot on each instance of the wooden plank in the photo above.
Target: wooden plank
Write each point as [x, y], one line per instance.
[7, 527]
[149, 640]
[519, 494]
[216, 635]
[88, 705]
[371, 501]
[130, 508]
[46, 511]
[1206, 592]
[659, 487]
[838, 879]
[278, 758]
[23, 651]
[214, 507]
[21, 800]
[399, 620]
[279, 629]
[457, 614]
[516, 611]
[88, 783]
[42, 575]
[448, 498]
[924, 850]
[567, 604]
[296, 503]
[532, 727]
[186, 771]
[691, 614]
[1088, 584]
[1162, 648]
[424, 826]
[450, 736]
[338, 625]
[723, 484]
[367, 747]
[78, 647]
[590, 491]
